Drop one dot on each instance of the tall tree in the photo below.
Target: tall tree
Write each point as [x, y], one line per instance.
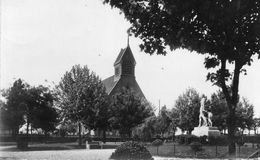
[128, 111]
[147, 129]
[227, 31]
[174, 116]
[256, 125]
[100, 107]
[4, 117]
[163, 121]
[187, 107]
[219, 110]
[82, 98]
[245, 114]
[16, 105]
[43, 114]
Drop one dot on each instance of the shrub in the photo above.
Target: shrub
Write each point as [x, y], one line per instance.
[180, 139]
[22, 142]
[203, 139]
[196, 146]
[131, 151]
[187, 139]
[240, 140]
[252, 138]
[221, 140]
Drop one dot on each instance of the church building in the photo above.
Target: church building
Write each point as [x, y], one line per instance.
[124, 74]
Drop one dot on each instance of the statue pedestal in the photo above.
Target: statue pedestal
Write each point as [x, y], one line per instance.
[206, 131]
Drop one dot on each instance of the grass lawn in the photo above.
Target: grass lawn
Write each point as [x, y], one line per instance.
[184, 151]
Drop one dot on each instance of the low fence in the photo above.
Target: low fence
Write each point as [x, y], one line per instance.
[207, 151]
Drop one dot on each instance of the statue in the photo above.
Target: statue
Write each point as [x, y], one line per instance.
[205, 127]
[202, 118]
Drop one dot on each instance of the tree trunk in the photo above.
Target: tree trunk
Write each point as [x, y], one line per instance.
[27, 129]
[15, 131]
[104, 135]
[80, 141]
[231, 132]
[231, 95]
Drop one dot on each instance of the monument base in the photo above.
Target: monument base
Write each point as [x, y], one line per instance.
[205, 131]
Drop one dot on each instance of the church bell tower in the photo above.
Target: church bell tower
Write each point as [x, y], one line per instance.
[125, 64]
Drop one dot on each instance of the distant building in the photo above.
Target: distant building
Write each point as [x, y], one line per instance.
[124, 75]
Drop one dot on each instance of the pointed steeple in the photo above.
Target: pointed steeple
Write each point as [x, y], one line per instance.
[125, 62]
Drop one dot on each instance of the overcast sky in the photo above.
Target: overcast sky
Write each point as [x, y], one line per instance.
[42, 39]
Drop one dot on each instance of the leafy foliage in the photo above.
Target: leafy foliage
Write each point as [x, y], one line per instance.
[82, 98]
[67, 127]
[187, 109]
[128, 111]
[187, 139]
[256, 124]
[219, 110]
[204, 26]
[157, 142]
[4, 117]
[146, 130]
[163, 121]
[244, 112]
[15, 107]
[42, 114]
[33, 105]
[196, 146]
[131, 151]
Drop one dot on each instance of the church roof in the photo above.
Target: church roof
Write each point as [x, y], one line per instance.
[109, 83]
[121, 54]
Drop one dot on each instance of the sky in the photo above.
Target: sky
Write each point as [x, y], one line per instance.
[42, 39]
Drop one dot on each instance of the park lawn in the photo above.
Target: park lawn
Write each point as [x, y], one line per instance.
[184, 151]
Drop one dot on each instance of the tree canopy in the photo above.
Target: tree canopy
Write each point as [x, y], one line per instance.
[30, 105]
[163, 121]
[16, 105]
[43, 114]
[82, 98]
[187, 108]
[128, 111]
[244, 112]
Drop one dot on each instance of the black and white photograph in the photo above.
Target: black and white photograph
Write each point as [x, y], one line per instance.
[129, 79]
